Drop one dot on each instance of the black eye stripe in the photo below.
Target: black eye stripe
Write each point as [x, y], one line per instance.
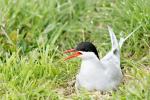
[80, 53]
[87, 47]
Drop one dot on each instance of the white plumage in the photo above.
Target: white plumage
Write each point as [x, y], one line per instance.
[99, 74]
[103, 74]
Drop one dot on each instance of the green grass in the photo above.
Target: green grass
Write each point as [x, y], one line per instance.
[34, 34]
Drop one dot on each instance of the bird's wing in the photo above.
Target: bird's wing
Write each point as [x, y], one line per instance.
[114, 41]
[111, 60]
[113, 57]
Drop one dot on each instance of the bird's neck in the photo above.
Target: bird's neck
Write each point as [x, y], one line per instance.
[94, 62]
[92, 65]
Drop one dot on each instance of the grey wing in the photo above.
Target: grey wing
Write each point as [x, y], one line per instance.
[112, 62]
[111, 59]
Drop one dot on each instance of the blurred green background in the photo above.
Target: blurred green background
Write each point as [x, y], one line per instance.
[34, 34]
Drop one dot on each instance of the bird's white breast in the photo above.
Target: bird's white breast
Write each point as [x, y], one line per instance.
[97, 75]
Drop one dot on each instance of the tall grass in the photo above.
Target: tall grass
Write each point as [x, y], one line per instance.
[34, 34]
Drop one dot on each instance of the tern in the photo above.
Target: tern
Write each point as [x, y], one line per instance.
[100, 74]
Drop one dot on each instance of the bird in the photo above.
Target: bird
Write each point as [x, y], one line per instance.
[98, 74]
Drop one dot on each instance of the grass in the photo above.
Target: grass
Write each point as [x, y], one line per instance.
[34, 34]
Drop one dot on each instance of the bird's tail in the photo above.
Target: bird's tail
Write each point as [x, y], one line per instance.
[118, 44]
[122, 40]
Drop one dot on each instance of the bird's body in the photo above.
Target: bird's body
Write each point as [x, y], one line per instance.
[98, 74]
[103, 75]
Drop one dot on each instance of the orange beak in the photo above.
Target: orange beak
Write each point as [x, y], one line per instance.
[73, 55]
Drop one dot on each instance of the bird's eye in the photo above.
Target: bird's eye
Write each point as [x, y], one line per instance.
[80, 53]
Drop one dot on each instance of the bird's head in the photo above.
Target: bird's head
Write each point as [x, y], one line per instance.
[84, 50]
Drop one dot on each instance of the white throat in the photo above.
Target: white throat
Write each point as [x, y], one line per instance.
[90, 56]
[90, 62]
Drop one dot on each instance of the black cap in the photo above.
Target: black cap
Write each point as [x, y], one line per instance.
[87, 47]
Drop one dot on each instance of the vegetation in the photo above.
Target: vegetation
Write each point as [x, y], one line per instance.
[34, 34]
